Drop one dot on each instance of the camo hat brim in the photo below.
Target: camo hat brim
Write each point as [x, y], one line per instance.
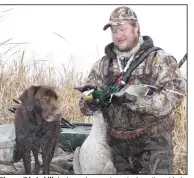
[120, 16]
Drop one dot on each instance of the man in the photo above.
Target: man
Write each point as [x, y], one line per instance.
[140, 130]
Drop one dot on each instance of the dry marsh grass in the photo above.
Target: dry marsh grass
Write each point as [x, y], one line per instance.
[19, 74]
[180, 139]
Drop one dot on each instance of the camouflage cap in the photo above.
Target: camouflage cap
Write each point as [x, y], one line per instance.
[120, 15]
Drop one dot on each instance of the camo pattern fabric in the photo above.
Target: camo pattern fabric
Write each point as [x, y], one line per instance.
[153, 112]
[120, 15]
[160, 71]
[150, 156]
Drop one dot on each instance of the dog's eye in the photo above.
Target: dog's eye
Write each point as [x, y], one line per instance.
[46, 98]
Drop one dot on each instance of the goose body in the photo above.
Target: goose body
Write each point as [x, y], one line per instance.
[94, 156]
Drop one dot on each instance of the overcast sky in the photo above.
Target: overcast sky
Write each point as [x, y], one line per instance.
[82, 29]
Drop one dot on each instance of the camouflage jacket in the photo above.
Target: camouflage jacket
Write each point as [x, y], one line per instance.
[151, 115]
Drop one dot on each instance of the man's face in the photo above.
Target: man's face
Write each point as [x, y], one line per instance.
[125, 36]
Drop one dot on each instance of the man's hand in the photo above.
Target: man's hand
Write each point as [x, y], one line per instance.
[87, 100]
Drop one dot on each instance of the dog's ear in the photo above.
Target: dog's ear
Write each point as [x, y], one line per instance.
[28, 98]
[51, 93]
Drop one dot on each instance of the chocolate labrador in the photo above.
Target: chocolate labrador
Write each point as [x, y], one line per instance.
[37, 126]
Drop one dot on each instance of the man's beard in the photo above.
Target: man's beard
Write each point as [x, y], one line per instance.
[128, 47]
[134, 42]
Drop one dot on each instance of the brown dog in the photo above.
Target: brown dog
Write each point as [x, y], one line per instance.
[37, 126]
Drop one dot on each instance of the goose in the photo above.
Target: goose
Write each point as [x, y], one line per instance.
[94, 156]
